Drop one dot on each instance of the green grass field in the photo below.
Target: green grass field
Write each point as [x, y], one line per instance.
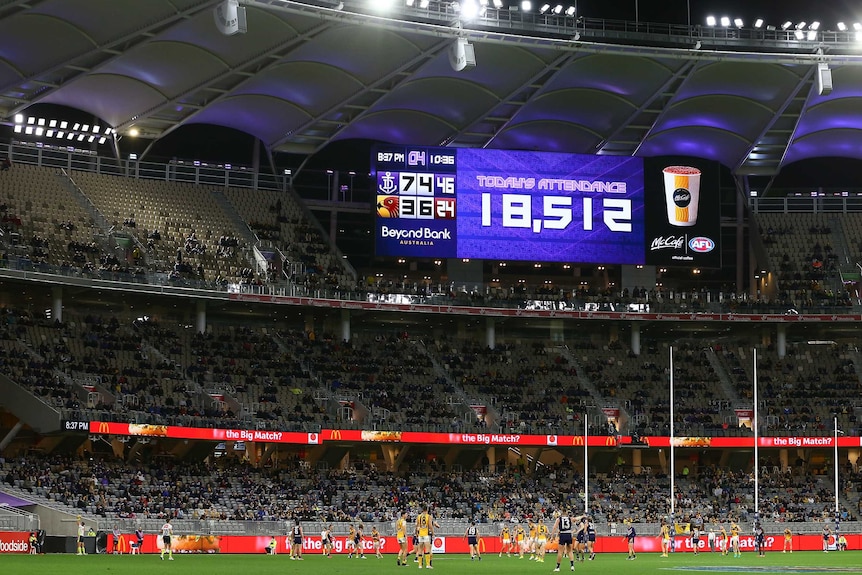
[651, 564]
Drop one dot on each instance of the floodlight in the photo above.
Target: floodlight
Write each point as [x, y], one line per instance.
[799, 34]
[758, 23]
[710, 20]
[64, 124]
[81, 138]
[544, 8]
[41, 121]
[96, 129]
[85, 128]
[76, 126]
[469, 9]
[857, 26]
[70, 136]
[738, 22]
[49, 133]
[859, 35]
[526, 5]
[842, 26]
[570, 11]
[60, 135]
[483, 3]
[52, 124]
[29, 130]
[409, 3]
[102, 140]
[423, 3]
[498, 4]
[18, 128]
[90, 139]
[39, 131]
[31, 120]
[812, 35]
[19, 118]
[786, 25]
[134, 132]
[558, 8]
[725, 21]
[801, 25]
[815, 25]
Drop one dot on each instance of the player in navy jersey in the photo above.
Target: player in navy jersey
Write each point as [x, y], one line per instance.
[472, 535]
[296, 536]
[630, 538]
[591, 538]
[563, 527]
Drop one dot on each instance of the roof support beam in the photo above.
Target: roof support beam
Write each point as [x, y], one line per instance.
[113, 49]
[554, 68]
[411, 64]
[556, 65]
[688, 76]
[645, 107]
[240, 71]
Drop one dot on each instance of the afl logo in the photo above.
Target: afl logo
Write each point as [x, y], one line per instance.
[681, 197]
[701, 244]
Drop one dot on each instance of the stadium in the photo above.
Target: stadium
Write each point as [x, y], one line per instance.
[274, 263]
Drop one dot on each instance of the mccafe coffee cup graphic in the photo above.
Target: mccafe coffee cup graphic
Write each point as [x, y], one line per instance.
[682, 195]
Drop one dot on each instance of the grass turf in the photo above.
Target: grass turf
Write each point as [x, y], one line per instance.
[645, 564]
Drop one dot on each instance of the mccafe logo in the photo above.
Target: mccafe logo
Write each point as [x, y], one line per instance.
[667, 243]
[681, 197]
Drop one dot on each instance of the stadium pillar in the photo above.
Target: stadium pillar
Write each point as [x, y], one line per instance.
[11, 435]
[637, 462]
[57, 303]
[201, 316]
[490, 332]
[345, 325]
[557, 331]
[781, 340]
[636, 338]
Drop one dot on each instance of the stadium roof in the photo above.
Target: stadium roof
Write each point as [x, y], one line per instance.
[304, 76]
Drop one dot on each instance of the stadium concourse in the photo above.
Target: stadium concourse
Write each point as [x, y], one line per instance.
[217, 342]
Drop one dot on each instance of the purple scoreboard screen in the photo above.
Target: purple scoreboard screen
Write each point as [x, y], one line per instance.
[510, 205]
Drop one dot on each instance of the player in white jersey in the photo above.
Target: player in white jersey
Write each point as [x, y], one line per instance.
[167, 535]
[82, 530]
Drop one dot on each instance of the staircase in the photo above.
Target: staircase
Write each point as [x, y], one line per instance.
[585, 383]
[727, 386]
[112, 239]
[461, 400]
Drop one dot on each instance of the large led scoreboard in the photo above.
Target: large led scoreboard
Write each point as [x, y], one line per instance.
[535, 206]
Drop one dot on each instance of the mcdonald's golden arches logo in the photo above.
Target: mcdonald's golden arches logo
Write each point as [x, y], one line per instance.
[578, 440]
[104, 427]
[335, 434]
[611, 440]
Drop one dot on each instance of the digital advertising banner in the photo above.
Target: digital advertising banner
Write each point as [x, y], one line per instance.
[683, 212]
[546, 207]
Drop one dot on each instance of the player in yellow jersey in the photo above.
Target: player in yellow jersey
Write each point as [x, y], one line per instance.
[350, 543]
[520, 540]
[734, 539]
[531, 539]
[401, 536]
[425, 525]
[375, 542]
[788, 541]
[664, 533]
[723, 540]
[506, 541]
[541, 540]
